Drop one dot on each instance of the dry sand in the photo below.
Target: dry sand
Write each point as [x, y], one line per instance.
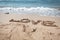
[29, 27]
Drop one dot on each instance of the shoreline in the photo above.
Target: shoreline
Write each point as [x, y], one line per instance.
[42, 11]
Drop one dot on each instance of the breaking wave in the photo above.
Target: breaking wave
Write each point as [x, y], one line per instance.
[44, 11]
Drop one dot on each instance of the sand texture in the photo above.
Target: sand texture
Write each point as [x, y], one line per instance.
[29, 27]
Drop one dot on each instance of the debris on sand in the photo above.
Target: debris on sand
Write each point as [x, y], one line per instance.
[7, 13]
[34, 30]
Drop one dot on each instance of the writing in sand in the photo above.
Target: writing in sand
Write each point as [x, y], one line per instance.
[44, 23]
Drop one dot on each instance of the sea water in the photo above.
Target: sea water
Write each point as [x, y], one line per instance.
[42, 7]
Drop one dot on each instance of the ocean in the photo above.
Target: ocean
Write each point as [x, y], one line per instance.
[29, 3]
[42, 7]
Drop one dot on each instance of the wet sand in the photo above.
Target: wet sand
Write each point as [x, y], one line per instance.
[29, 27]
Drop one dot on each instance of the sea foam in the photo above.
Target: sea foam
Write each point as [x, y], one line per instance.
[44, 11]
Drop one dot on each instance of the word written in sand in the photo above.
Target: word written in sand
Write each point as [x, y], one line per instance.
[44, 23]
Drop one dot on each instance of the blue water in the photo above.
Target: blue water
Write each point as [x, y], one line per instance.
[29, 3]
[41, 7]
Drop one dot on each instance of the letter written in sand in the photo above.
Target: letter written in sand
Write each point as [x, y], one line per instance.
[25, 20]
[12, 20]
[33, 22]
[49, 23]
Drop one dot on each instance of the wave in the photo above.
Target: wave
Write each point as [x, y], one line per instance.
[44, 11]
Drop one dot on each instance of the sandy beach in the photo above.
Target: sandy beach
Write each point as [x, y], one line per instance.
[29, 27]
